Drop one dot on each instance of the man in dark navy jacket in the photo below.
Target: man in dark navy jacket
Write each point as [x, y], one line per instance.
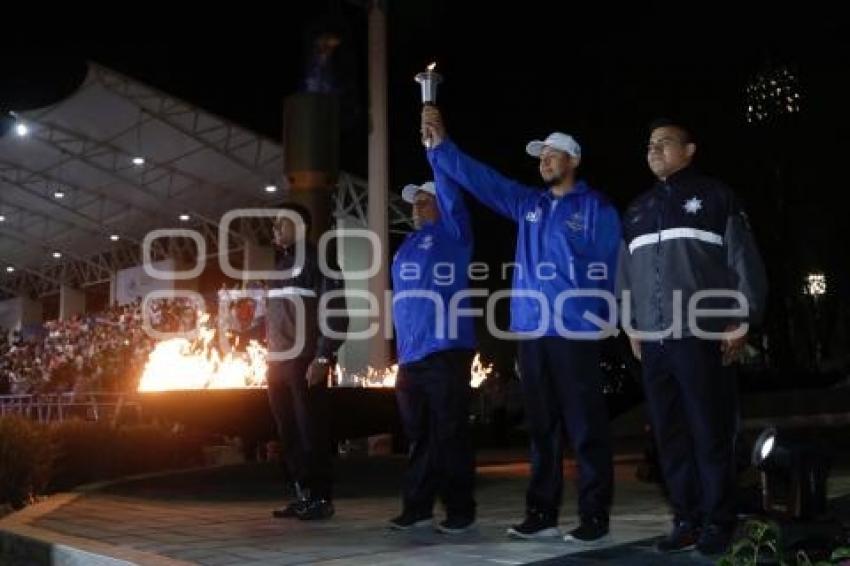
[298, 381]
[696, 282]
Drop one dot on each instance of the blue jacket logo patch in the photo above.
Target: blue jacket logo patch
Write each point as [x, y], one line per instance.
[534, 215]
[426, 243]
[575, 222]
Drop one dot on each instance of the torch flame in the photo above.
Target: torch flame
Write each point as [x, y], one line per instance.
[432, 66]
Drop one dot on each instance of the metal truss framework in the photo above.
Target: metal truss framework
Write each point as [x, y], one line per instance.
[237, 144]
[350, 201]
[161, 189]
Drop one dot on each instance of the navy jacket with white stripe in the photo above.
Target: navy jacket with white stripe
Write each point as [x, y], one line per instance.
[293, 306]
[689, 234]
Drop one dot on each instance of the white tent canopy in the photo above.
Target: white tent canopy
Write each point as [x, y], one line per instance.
[83, 148]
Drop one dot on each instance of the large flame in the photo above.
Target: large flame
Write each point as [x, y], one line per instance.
[371, 378]
[180, 364]
[387, 377]
[480, 372]
[174, 364]
[432, 66]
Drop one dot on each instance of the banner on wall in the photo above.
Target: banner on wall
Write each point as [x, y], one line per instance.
[10, 313]
[133, 283]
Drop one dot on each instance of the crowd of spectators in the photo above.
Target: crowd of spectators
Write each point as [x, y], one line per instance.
[104, 351]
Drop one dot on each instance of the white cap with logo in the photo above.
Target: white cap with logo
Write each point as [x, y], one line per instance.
[556, 140]
[409, 191]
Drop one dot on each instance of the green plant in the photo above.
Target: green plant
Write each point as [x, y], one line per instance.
[84, 453]
[760, 540]
[25, 460]
[841, 555]
[804, 560]
[36, 458]
[88, 452]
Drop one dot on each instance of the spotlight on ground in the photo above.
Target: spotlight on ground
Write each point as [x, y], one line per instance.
[793, 475]
[794, 467]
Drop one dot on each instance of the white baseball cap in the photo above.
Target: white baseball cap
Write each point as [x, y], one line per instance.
[409, 191]
[556, 140]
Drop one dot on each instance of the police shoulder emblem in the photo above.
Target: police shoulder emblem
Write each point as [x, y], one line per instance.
[692, 205]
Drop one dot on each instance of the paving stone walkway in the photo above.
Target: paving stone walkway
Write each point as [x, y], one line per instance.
[221, 516]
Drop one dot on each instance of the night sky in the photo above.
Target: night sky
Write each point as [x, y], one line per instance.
[517, 72]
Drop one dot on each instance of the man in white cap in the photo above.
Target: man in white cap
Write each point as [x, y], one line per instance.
[435, 349]
[567, 243]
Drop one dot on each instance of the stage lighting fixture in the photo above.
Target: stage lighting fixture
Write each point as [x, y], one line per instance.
[793, 475]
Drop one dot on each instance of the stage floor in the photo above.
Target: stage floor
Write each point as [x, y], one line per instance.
[222, 516]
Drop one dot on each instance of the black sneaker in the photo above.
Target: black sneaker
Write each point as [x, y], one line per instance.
[591, 530]
[456, 525]
[714, 540]
[682, 538]
[410, 520]
[290, 511]
[316, 510]
[536, 526]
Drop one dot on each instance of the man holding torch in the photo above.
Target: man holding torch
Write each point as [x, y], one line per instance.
[567, 244]
[435, 349]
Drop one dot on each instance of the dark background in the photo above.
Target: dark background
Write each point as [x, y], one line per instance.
[514, 72]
